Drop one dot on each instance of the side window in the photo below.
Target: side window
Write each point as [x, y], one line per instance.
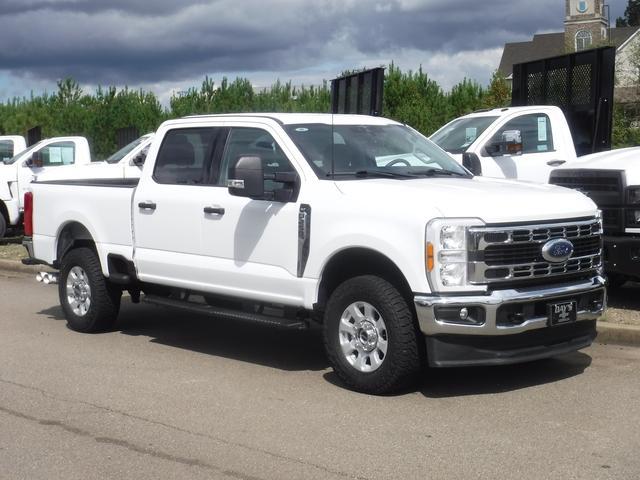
[6, 149]
[57, 154]
[254, 142]
[535, 131]
[185, 156]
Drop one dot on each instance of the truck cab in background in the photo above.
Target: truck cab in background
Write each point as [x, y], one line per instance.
[50, 159]
[519, 143]
[11, 145]
[125, 163]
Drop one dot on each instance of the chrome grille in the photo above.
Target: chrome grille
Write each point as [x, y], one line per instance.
[497, 254]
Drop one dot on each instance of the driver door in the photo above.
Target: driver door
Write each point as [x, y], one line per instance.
[538, 154]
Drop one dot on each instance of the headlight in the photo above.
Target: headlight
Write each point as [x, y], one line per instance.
[447, 257]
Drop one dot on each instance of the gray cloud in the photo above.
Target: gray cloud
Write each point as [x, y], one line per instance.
[137, 41]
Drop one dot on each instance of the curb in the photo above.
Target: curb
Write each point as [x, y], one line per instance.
[614, 333]
[17, 266]
[618, 334]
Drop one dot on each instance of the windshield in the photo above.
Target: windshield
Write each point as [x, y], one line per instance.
[120, 154]
[371, 150]
[22, 154]
[458, 135]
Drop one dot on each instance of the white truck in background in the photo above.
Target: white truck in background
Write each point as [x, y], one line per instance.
[612, 181]
[11, 145]
[518, 143]
[125, 163]
[50, 159]
[357, 223]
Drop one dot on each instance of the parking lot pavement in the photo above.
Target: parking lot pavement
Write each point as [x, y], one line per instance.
[171, 395]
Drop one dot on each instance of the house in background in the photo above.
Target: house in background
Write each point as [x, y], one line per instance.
[586, 25]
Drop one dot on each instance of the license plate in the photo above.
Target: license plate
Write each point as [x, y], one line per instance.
[562, 312]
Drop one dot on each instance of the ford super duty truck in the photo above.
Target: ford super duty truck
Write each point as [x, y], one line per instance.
[519, 143]
[612, 181]
[356, 223]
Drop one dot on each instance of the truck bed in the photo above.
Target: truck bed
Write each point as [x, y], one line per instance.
[103, 206]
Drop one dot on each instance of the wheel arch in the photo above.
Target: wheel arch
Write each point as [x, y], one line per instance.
[355, 261]
[72, 235]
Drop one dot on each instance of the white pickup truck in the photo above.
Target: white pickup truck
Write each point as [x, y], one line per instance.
[519, 143]
[54, 158]
[125, 163]
[612, 181]
[357, 223]
[11, 145]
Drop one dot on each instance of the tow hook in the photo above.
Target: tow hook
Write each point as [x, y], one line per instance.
[47, 278]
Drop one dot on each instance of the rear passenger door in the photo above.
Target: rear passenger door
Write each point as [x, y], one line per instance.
[168, 207]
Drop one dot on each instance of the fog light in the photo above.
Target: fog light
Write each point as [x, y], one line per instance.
[461, 315]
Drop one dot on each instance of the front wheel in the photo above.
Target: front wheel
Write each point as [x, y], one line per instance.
[90, 303]
[3, 226]
[371, 337]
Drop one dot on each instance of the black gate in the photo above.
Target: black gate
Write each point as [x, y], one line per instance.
[34, 135]
[125, 136]
[358, 93]
[581, 84]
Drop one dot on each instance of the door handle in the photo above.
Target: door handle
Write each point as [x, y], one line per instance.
[556, 163]
[147, 205]
[214, 210]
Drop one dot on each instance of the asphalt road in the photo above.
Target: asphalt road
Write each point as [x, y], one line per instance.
[169, 395]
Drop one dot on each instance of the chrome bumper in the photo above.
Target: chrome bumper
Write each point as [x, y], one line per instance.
[431, 325]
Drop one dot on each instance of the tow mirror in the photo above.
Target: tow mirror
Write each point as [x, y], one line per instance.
[472, 163]
[35, 160]
[139, 159]
[510, 144]
[246, 178]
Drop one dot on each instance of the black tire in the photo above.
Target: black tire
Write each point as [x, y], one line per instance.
[3, 226]
[402, 362]
[105, 298]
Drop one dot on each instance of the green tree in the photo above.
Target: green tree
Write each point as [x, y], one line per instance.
[631, 15]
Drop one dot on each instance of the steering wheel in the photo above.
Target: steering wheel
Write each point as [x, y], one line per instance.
[397, 161]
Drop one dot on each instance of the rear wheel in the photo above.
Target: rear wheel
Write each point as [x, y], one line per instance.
[371, 337]
[90, 302]
[3, 226]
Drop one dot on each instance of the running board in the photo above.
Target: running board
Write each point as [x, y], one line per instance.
[225, 313]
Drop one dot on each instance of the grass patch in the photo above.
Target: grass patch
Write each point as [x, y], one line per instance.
[12, 251]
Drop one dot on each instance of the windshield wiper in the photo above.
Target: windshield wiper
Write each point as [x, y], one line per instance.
[372, 174]
[434, 172]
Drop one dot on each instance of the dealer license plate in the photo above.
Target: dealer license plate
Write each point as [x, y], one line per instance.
[562, 312]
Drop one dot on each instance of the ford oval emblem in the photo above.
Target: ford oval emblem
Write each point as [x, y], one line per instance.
[557, 250]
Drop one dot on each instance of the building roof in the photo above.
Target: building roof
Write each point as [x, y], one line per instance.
[548, 45]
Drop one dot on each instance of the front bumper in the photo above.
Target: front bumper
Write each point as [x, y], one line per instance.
[515, 326]
[622, 255]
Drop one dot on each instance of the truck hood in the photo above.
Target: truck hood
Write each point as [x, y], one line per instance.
[627, 159]
[491, 200]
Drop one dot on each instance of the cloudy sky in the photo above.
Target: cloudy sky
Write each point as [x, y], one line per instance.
[170, 45]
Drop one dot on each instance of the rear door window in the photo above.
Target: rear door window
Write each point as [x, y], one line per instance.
[186, 155]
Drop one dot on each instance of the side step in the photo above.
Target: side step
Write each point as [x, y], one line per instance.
[202, 308]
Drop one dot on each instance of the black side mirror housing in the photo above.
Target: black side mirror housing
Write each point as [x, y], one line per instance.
[35, 160]
[511, 144]
[471, 162]
[246, 178]
[139, 159]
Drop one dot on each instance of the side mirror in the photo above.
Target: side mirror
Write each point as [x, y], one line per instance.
[511, 144]
[472, 163]
[246, 178]
[139, 159]
[35, 160]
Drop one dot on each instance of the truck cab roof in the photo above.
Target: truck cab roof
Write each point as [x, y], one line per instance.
[297, 118]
